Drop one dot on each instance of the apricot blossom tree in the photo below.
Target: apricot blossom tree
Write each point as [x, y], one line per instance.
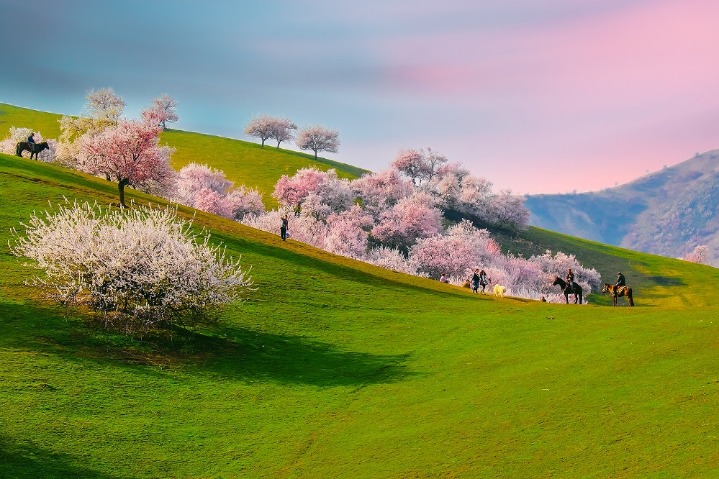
[138, 269]
[162, 110]
[128, 153]
[318, 138]
[412, 218]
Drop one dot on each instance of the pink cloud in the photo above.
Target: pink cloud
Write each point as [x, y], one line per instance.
[634, 85]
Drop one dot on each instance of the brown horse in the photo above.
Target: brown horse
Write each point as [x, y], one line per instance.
[575, 289]
[621, 291]
[33, 148]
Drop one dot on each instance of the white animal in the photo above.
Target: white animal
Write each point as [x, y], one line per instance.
[499, 290]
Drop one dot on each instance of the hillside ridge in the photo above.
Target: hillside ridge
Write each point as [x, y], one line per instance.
[668, 212]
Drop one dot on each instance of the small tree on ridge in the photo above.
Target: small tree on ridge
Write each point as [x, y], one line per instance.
[318, 138]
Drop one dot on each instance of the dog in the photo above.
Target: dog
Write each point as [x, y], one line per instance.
[499, 290]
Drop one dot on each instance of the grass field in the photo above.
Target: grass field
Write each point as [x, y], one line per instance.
[333, 368]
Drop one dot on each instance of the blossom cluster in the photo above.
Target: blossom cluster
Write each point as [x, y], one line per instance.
[207, 189]
[397, 219]
[139, 269]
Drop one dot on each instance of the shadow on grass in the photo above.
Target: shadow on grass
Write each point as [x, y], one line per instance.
[665, 281]
[236, 353]
[244, 353]
[19, 461]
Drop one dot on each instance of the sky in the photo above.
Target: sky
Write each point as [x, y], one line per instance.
[537, 96]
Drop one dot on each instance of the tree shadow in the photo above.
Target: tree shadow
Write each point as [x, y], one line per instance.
[29, 461]
[665, 281]
[255, 355]
[232, 352]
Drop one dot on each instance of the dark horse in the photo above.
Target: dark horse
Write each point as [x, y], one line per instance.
[575, 289]
[621, 291]
[33, 148]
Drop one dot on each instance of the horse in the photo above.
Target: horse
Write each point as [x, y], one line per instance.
[33, 148]
[621, 291]
[575, 289]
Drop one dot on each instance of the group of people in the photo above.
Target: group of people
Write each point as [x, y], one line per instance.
[479, 278]
[572, 286]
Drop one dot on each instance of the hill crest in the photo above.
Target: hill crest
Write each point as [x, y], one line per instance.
[668, 212]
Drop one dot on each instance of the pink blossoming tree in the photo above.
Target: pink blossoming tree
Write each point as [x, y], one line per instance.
[128, 153]
[410, 219]
[162, 110]
[381, 191]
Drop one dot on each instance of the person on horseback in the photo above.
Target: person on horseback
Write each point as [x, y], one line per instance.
[570, 281]
[621, 283]
[31, 140]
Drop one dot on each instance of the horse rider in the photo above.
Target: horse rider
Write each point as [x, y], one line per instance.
[31, 140]
[570, 281]
[621, 283]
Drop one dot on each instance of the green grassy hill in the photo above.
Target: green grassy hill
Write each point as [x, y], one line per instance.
[243, 162]
[334, 368]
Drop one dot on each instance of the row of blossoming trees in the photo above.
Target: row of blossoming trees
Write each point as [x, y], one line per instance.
[422, 215]
[401, 218]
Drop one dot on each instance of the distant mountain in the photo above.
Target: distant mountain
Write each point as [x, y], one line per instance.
[669, 212]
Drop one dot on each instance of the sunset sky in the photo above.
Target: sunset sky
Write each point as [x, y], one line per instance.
[538, 96]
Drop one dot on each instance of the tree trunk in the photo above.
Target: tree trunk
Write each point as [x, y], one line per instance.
[121, 187]
[315, 155]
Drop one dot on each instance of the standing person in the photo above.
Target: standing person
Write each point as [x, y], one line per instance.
[298, 210]
[483, 280]
[283, 228]
[475, 281]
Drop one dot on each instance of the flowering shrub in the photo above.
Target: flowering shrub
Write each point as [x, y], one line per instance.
[318, 192]
[392, 259]
[207, 189]
[304, 228]
[346, 233]
[380, 191]
[410, 219]
[463, 247]
[553, 265]
[243, 201]
[138, 269]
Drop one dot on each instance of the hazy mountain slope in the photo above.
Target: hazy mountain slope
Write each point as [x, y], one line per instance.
[668, 212]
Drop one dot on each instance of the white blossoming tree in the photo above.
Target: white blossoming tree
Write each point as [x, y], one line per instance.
[138, 269]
